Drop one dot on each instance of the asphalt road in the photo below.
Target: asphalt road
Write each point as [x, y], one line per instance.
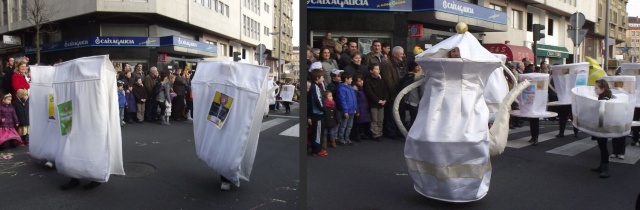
[552, 175]
[163, 172]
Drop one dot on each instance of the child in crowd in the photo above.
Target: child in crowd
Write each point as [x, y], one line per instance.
[21, 106]
[348, 107]
[376, 92]
[315, 111]
[363, 117]
[604, 93]
[8, 122]
[130, 105]
[331, 121]
[122, 101]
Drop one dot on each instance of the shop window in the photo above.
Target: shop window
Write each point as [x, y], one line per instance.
[497, 7]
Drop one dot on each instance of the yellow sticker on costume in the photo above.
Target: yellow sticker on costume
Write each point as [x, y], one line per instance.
[65, 113]
[52, 108]
[219, 111]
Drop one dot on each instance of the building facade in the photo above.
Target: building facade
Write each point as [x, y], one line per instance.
[163, 33]
[282, 23]
[630, 49]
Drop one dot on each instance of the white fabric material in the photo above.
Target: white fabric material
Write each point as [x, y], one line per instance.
[93, 148]
[451, 126]
[287, 92]
[496, 88]
[44, 136]
[623, 83]
[272, 95]
[564, 79]
[632, 69]
[229, 150]
[602, 118]
[499, 132]
[533, 99]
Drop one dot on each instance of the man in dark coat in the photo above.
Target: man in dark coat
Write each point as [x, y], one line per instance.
[391, 73]
[178, 103]
[141, 98]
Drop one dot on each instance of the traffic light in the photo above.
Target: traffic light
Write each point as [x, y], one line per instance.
[538, 32]
[237, 56]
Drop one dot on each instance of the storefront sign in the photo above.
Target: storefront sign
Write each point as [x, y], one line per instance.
[14, 40]
[415, 30]
[553, 54]
[101, 41]
[162, 57]
[372, 5]
[187, 43]
[470, 10]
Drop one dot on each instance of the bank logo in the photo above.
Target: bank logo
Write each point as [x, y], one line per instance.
[494, 16]
[187, 43]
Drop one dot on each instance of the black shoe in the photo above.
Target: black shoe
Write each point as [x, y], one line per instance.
[575, 135]
[92, 185]
[560, 135]
[72, 184]
[378, 139]
[511, 127]
[519, 125]
[356, 139]
[598, 169]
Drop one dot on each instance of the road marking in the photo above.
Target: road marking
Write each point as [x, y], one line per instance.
[268, 124]
[631, 155]
[524, 141]
[284, 116]
[293, 131]
[518, 130]
[575, 148]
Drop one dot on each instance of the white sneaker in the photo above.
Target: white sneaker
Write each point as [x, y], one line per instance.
[226, 186]
[613, 156]
[621, 157]
[49, 164]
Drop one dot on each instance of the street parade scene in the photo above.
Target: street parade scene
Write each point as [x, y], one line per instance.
[473, 105]
[320, 104]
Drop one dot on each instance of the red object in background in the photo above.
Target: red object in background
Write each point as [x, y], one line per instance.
[513, 53]
[416, 30]
[162, 57]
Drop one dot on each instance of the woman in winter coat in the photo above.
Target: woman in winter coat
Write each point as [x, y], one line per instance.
[328, 64]
[163, 98]
[362, 128]
[20, 79]
[355, 67]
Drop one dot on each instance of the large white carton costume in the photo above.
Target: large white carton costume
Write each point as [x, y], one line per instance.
[45, 138]
[448, 147]
[229, 150]
[92, 149]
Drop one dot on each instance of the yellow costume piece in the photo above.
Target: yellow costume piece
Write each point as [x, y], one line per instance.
[417, 50]
[595, 71]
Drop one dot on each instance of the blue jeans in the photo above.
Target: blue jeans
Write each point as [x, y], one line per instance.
[345, 128]
[121, 115]
[330, 132]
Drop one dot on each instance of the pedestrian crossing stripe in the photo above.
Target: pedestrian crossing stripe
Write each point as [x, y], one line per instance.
[270, 123]
[632, 153]
[293, 131]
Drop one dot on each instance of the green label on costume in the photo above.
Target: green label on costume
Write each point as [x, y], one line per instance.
[65, 112]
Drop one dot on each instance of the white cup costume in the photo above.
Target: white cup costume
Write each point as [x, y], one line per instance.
[448, 147]
[602, 118]
[565, 77]
[632, 69]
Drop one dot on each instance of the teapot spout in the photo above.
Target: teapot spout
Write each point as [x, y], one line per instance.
[499, 132]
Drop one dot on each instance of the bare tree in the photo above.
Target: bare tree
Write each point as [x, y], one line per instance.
[39, 14]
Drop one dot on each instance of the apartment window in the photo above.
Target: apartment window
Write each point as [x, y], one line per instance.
[614, 17]
[226, 7]
[206, 3]
[266, 31]
[550, 27]
[517, 19]
[529, 22]
[230, 50]
[266, 7]
[244, 54]
[224, 49]
[24, 9]
[5, 13]
[16, 14]
[497, 7]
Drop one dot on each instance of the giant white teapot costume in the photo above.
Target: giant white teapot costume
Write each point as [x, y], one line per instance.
[448, 147]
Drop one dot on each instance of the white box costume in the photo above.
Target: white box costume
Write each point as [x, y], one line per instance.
[448, 147]
[229, 149]
[92, 148]
[602, 118]
[45, 139]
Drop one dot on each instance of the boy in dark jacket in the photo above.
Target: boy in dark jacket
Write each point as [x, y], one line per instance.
[130, 107]
[376, 92]
[363, 116]
[315, 111]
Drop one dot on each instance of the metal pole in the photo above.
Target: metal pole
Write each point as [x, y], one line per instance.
[576, 45]
[606, 39]
[280, 41]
